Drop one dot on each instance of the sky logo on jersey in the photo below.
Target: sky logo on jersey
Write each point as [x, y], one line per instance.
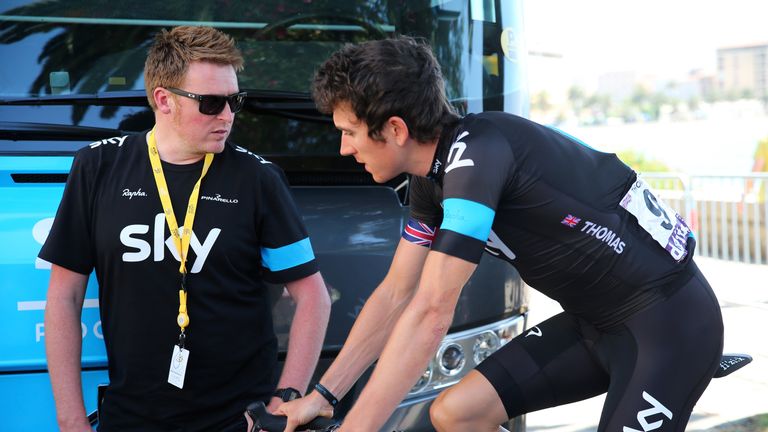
[419, 233]
[114, 140]
[455, 153]
[570, 221]
[244, 150]
[134, 237]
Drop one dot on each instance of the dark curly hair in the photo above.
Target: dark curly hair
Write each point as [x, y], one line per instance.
[384, 78]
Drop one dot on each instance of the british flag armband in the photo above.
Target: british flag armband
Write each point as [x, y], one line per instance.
[419, 233]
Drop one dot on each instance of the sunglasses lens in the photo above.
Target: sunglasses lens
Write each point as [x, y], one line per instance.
[236, 102]
[212, 105]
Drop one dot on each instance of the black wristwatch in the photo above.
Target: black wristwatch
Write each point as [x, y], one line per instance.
[287, 394]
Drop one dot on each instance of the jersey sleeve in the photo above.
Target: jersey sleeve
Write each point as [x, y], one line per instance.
[425, 212]
[478, 168]
[69, 243]
[286, 251]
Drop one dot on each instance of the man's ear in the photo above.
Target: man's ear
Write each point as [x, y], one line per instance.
[397, 129]
[163, 100]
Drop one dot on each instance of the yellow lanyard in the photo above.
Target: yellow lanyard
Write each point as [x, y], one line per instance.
[181, 240]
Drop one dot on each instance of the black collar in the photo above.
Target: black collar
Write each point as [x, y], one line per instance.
[437, 169]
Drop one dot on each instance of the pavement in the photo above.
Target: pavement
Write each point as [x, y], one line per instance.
[742, 290]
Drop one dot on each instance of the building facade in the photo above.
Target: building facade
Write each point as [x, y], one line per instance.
[743, 71]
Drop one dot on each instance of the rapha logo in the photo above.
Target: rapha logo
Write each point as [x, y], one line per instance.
[455, 153]
[436, 166]
[655, 409]
[131, 194]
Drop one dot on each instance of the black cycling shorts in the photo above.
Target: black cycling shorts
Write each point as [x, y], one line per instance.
[654, 366]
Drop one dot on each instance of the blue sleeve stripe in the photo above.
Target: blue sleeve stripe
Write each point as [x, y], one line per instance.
[287, 256]
[466, 217]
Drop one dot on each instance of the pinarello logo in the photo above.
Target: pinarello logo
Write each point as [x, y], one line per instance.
[570, 221]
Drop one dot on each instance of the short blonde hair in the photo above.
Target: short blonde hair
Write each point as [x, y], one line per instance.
[172, 52]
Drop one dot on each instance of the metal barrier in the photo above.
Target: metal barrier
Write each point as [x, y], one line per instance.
[726, 212]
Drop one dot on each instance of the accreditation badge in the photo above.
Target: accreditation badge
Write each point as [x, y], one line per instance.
[178, 368]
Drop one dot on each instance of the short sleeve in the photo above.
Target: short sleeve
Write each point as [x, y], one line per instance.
[424, 201]
[478, 167]
[69, 243]
[286, 250]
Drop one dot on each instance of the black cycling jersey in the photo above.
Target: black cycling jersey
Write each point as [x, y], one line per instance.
[555, 209]
[246, 230]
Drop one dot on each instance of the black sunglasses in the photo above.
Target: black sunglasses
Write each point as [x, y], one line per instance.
[213, 104]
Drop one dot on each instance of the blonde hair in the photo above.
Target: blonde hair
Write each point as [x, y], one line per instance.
[172, 52]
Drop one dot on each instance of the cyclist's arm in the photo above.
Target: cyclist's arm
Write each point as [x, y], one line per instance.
[63, 343]
[414, 340]
[313, 307]
[368, 334]
[377, 319]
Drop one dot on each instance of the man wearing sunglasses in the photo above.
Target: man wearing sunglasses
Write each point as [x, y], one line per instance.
[186, 316]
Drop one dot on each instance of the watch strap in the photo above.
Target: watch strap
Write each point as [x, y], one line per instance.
[287, 394]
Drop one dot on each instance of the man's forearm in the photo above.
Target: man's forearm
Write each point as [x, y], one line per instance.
[306, 340]
[412, 344]
[63, 342]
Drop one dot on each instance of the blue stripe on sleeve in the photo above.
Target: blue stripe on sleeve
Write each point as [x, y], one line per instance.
[468, 218]
[288, 256]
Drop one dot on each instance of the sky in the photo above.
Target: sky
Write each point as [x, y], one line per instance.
[666, 38]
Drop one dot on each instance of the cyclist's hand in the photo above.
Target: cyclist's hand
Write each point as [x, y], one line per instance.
[248, 421]
[304, 410]
[273, 404]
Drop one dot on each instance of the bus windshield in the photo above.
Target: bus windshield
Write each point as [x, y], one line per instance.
[67, 48]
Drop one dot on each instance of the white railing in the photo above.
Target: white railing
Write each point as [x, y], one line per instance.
[726, 212]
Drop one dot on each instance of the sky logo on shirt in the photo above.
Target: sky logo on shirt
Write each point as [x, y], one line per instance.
[135, 236]
[114, 140]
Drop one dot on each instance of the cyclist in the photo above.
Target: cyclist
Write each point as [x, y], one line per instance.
[640, 321]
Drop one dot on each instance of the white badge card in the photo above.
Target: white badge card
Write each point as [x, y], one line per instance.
[660, 220]
[178, 368]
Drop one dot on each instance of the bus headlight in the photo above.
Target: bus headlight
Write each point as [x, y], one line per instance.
[460, 352]
[451, 359]
[485, 344]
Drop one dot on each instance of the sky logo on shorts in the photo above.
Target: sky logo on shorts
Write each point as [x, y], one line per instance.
[570, 221]
[643, 416]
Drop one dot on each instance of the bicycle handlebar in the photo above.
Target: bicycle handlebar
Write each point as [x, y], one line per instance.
[272, 423]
